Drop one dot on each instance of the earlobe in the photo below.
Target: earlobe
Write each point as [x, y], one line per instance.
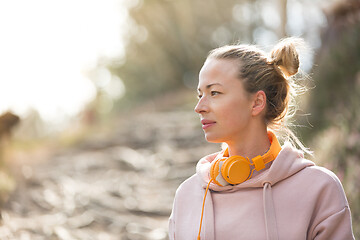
[259, 103]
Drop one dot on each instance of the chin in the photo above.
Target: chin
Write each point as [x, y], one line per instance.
[213, 139]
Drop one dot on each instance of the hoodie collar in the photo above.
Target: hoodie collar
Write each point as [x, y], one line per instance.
[288, 162]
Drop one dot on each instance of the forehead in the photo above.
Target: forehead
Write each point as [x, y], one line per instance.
[221, 71]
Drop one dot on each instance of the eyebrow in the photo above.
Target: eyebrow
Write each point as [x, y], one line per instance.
[210, 85]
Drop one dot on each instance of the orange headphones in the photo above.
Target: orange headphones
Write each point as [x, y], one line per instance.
[237, 169]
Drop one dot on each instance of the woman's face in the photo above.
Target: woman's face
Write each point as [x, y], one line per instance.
[224, 106]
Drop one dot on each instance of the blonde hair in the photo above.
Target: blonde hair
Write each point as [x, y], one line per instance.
[272, 74]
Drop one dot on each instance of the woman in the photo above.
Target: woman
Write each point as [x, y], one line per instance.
[257, 188]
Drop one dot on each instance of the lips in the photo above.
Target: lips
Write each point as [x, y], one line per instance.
[207, 123]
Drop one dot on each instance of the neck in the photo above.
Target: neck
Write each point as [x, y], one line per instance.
[250, 144]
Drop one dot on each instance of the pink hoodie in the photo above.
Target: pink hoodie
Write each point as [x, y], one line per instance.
[292, 199]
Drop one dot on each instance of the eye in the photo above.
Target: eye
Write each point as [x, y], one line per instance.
[214, 93]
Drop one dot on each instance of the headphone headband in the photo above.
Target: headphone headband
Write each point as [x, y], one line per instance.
[260, 161]
[236, 169]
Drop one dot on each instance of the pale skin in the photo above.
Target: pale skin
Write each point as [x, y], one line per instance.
[228, 112]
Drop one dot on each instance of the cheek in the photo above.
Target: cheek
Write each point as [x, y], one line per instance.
[236, 114]
[235, 121]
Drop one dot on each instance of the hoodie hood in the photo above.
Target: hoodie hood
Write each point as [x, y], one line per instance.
[288, 162]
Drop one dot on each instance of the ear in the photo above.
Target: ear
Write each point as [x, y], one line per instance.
[259, 103]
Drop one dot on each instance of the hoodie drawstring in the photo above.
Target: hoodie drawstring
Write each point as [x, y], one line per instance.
[269, 212]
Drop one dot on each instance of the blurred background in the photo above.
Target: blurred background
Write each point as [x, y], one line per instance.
[97, 128]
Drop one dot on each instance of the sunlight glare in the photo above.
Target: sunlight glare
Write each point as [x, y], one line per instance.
[45, 47]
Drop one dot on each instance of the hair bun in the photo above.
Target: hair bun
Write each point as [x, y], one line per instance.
[285, 55]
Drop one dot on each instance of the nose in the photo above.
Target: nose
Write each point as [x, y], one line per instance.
[201, 106]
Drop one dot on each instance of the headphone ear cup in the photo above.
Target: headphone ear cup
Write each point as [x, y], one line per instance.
[235, 170]
[215, 172]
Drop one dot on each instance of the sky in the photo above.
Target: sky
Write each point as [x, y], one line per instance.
[47, 47]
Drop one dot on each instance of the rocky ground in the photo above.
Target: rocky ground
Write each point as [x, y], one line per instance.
[118, 187]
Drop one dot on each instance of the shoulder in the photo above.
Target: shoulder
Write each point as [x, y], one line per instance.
[331, 213]
[189, 184]
[326, 183]
[324, 175]
[189, 192]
